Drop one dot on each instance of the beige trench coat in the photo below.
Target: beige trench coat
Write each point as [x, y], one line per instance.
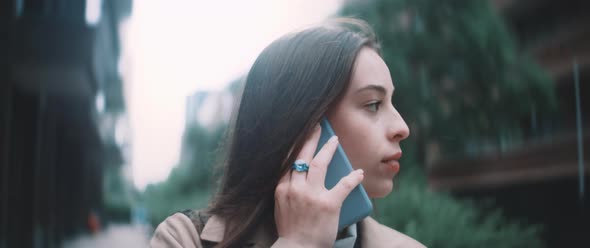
[178, 231]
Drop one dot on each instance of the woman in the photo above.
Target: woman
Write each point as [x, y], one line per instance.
[333, 70]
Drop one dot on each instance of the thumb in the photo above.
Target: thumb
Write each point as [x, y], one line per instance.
[347, 184]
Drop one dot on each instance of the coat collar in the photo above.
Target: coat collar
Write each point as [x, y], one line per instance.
[214, 230]
[373, 234]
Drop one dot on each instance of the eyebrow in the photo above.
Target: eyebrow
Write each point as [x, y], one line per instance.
[374, 87]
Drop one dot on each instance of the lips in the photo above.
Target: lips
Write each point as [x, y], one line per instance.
[396, 156]
[392, 162]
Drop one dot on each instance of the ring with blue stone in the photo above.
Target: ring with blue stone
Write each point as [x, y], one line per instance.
[300, 166]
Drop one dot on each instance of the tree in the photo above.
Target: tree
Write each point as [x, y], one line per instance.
[190, 183]
[460, 80]
[436, 219]
[461, 86]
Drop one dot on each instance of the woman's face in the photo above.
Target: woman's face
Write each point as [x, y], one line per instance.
[368, 126]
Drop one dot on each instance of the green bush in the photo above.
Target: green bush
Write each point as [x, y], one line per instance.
[163, 201]
[454, 65]
[438, 220]
[189, 185]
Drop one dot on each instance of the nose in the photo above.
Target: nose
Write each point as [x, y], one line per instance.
[397, 129]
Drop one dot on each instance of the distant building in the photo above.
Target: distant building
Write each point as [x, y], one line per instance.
[208, 109]
[193, 105]
[62, 117]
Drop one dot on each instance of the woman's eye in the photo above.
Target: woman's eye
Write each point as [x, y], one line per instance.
[374, 106]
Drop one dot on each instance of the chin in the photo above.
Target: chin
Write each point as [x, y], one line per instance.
[379, 191]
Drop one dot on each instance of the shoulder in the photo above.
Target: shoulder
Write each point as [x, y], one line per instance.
[176, 231]
[381, 236]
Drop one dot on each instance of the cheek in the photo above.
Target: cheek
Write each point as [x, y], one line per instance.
[356, 132]
[358, 142]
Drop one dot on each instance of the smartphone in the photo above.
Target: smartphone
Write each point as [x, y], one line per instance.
[357, 205]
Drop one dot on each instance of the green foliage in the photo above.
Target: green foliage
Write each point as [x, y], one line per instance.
[164, 199]
[206, 147]
[438, 220]
[460, 82]
[459, 77]
[190, 184]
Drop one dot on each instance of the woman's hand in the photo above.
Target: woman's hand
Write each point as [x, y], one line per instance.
[305, 211]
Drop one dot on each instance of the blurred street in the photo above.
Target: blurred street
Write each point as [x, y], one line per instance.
[113, 237]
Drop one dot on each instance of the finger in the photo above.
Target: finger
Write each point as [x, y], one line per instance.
[286, 178]
[310, 145]
[319, 164]
[298, 178]
[306, 153]
[282, 188]
[346, 185]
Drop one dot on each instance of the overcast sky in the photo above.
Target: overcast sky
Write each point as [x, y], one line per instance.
[172, 48]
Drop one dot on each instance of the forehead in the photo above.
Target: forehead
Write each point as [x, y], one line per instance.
[370, 69]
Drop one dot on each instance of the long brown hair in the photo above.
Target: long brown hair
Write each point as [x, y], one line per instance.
[288, 89]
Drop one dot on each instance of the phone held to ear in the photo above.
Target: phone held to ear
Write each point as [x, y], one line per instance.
[357, 205]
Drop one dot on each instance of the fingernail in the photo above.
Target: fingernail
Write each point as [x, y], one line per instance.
[360, 171]
[317, 127]
[334, 139]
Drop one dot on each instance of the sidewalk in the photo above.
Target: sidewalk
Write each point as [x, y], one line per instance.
[115, 236]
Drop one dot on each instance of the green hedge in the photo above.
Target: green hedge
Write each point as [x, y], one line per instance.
[438, 220]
